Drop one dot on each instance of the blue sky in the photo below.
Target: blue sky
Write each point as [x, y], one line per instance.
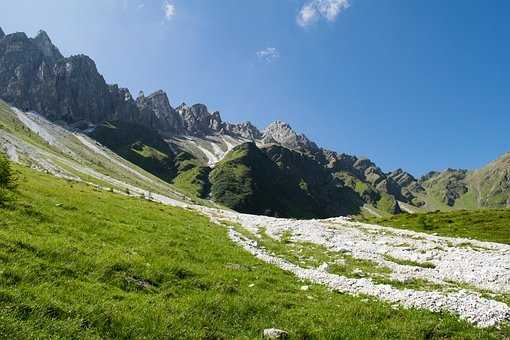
[421, 85]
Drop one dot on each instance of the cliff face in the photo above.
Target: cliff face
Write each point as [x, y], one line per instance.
[34, 76]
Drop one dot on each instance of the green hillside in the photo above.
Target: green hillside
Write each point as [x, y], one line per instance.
[488, 187]
[78, 262]
[139, 145]
[279, 182]
[484, 224]
[147, 149]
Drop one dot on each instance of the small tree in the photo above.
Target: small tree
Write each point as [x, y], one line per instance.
[7, 180]
[423, 223]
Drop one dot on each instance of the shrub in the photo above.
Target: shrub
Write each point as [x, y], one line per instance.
[7, 180]
[423, 223]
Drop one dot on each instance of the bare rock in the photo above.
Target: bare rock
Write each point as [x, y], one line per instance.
[274, 333]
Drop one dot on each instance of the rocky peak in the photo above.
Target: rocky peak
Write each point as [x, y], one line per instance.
[429, 175]
[402, 177]
[363, 164]
[245, 130]
[80, 64]
[160, 103]
[157, 113]
[200, 111]
[408, 184]
[43, 42]
[18, 43]
[282, 133]
[215, 121]
[197, 120]
[2, 34]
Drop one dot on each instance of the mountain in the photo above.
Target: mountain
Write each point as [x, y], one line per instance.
[34, 76]
[277, 181]
[275, 171]
[488, 187]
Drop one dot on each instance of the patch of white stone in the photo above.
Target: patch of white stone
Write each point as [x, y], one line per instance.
[467, 305]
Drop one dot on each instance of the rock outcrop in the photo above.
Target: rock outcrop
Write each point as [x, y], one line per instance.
[282, 133]
[197, 120]
[244, 130]
[43, 42]
[34, 76]
[158, 113]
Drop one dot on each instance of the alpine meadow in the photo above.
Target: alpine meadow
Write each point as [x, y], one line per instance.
[135, 217]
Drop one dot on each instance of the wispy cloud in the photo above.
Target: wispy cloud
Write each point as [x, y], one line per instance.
[268, 54]
[313, 10]
[169, 10]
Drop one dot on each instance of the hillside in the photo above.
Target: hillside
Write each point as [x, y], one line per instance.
[171, 273]
[488, 187]
[87, 263]
[139, 145]
[276, 181]
[492, 225]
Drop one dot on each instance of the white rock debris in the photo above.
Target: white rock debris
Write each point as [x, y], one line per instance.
[483, 265]
[468, 306]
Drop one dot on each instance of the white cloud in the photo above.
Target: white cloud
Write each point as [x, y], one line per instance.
[268, 54]
[169, 10]
[307, 15]
[315, 9]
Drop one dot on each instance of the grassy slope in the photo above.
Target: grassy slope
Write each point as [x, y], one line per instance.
[279, 182]
[88, 158]
[487, 187]
[381, 202]
[77, 262]
[486, 224]
[139, 145]
[193, 177]
[147, 149]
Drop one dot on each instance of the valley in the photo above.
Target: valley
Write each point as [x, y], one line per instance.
[134, 219]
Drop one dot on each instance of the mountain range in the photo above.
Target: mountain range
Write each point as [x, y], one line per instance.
[275, 171]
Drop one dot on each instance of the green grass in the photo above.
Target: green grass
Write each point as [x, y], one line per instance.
[410, 262]
[386, 203]
[485, 224]
[77, 262]
[193, 182]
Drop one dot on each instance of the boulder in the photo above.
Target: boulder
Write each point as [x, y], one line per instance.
[274, 333]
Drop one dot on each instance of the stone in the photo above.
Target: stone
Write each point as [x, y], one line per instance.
[157, 113]
[323, 267]
[274, 333]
